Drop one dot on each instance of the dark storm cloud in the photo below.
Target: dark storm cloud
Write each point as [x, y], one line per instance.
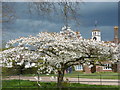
[26, 23]
[105, 13]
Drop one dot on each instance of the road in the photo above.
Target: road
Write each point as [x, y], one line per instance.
[71, 80]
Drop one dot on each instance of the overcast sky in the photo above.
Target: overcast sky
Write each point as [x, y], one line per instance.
[106, 13]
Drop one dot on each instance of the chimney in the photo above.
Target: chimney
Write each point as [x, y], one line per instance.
[116, 40]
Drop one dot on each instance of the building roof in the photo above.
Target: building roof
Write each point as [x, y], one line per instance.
[96, 30]
[115, 27]
[111, 41]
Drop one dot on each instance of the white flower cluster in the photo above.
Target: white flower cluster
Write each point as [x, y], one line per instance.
[54, 49]
[68, 33]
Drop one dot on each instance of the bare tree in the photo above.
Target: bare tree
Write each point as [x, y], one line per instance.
[68, 11]
[8, 12]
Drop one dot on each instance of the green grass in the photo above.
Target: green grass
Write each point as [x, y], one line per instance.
[97, 75]
[74, 74]
[18, 83]
[33, 84]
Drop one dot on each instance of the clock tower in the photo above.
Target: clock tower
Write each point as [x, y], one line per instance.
[96, 35]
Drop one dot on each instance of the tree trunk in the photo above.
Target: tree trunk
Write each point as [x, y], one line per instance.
[86, 69]
[60, 78]
[114, 67]
[93, 69]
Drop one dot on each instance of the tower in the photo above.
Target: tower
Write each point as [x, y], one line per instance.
[116, 40]
[96, 34]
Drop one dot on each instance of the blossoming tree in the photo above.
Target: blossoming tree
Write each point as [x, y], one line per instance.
[56, 52]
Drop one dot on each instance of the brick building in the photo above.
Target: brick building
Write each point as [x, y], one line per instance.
[106, 66]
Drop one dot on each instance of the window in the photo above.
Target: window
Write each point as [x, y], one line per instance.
[94, 38]
[95, 33]
[78, 67]
[107, 67]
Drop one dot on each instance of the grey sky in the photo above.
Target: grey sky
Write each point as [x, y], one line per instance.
[106, 13]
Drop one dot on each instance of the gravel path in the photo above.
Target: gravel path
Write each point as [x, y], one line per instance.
[72, 80]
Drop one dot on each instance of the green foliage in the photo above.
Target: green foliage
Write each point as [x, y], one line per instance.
[32, 70]
[17, 70]
[9, 71]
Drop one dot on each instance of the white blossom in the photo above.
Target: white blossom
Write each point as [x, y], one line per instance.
[55, 48]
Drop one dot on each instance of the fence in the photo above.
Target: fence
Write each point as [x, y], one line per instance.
[100, 80]
[90, 80]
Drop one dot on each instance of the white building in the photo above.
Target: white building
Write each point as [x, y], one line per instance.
[96, 35]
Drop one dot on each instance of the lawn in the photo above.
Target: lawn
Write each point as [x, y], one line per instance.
[97, 75]
[74, 74]
[32, 84]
